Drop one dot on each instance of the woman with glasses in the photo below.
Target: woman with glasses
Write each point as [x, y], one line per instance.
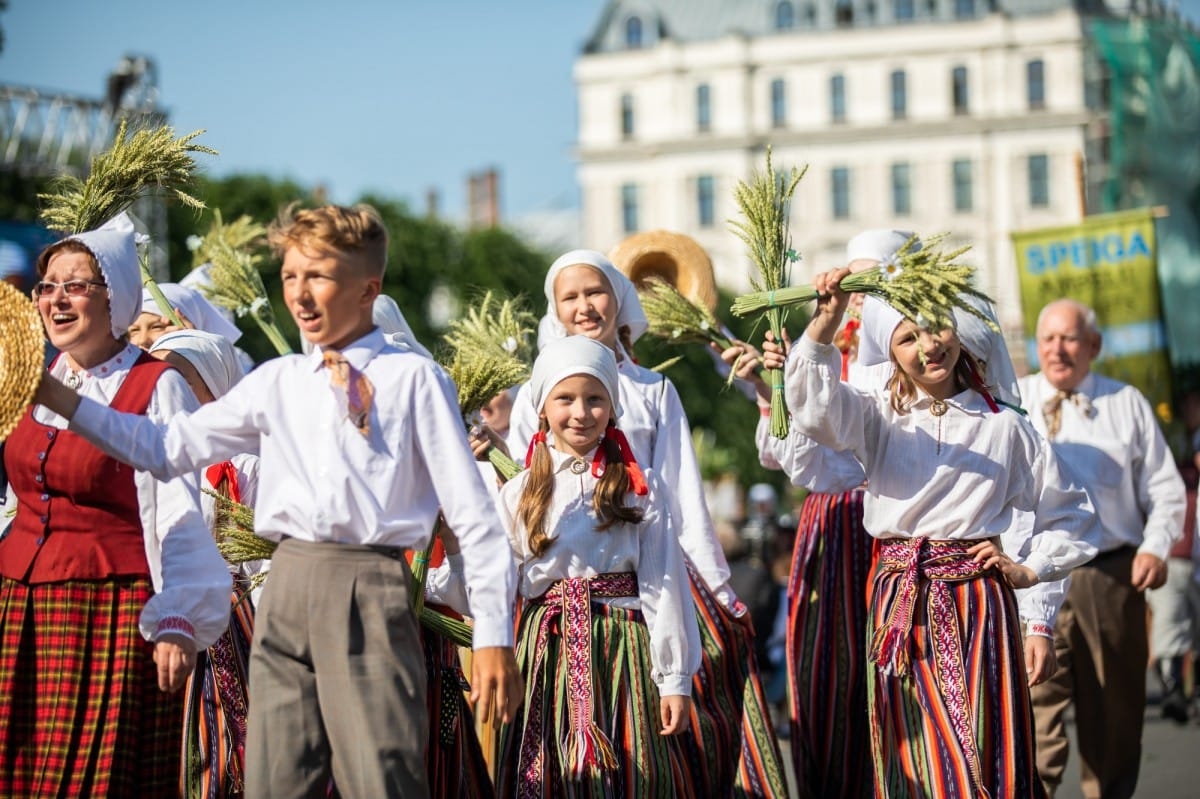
[109, 579]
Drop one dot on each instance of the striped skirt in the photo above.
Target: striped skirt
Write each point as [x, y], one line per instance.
[454, 759]
[827, 653]
[625, 707]
[82, 713]
[949, 697]
[731, 720]
[214, 710]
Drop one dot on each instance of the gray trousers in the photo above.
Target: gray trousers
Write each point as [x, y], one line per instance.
[337, 678]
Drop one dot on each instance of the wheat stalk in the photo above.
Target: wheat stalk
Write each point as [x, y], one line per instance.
[236, 281]
[146, 158]
[924, 285]
[677, 319]
[764, 203]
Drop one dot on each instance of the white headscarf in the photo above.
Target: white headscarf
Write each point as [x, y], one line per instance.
[989, 348]
[386, 313]
[573, 355]
[880, 244]
[213, 356]
[198, 309]
[629, 307]
[114, 246]
[879, 321]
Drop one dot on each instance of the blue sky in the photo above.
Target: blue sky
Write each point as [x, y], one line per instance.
[394, 96]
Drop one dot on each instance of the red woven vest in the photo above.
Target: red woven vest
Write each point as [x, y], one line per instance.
[77, 509]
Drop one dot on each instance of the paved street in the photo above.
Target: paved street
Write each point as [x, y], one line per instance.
[1170, 762]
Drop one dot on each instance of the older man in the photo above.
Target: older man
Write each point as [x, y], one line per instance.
[1105, 432]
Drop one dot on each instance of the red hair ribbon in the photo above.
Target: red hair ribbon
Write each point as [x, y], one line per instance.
[538, 438]
[637, 480]
[227, 470]
[981, 388]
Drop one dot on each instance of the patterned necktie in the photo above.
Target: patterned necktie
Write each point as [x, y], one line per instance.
[353, 389]
[1052, 412]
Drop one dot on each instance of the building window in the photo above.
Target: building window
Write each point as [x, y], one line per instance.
[837, 98]
[903, 10]
[633, 33]
[1039, 181]
[705, 207]
[785, 17]
[899, 95]
[843, 12]
[778, 103]
[629, 208]
[901, 189]
[1035, 84]
[958, 79]
[964, 188]
[703, 108]
[964, 9]
[840, 178]
[627, 116]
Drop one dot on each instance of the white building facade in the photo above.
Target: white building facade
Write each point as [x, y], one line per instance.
[958, 116]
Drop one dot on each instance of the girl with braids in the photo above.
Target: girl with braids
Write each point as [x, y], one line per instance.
[607, 638]
[736, 747]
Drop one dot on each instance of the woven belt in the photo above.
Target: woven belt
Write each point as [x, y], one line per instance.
[587, 746]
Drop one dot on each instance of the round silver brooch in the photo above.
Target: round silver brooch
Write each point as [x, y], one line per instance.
[937, 407]
[73, 380]
[578, 466]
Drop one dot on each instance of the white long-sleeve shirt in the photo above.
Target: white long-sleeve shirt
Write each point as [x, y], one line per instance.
[807, 463]
[650, 548]
[1110, 441]
[322, 481]
[653, 419]
[967, 475]
[189, 576]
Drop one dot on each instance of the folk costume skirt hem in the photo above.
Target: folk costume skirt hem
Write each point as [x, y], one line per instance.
[827, 666]
[82, 713]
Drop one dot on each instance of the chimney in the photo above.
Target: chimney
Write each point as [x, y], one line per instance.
[483, 198]
[431, 202]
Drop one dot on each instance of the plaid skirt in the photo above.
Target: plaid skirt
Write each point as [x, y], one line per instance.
[827, 649]
[731, 721]
[83, 716]
[625, 707]
[215, 704]
[949, 697]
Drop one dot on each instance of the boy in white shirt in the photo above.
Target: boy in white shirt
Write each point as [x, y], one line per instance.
[361, 444]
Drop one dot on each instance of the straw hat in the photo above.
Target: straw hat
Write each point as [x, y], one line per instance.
[675, 257]
[22, 355]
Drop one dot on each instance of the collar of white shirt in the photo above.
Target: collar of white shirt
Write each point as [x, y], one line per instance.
[358, 352]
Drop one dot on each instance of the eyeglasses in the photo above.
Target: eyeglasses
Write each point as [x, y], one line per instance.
[72, 288]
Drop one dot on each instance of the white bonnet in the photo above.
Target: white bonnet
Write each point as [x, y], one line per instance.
[387, 315]
[114, 245]
[879, 319]
[629, 307]
[198, 309]
[213, 356]
[573, 355]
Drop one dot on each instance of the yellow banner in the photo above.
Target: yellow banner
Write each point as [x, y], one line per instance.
[1108, 262]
